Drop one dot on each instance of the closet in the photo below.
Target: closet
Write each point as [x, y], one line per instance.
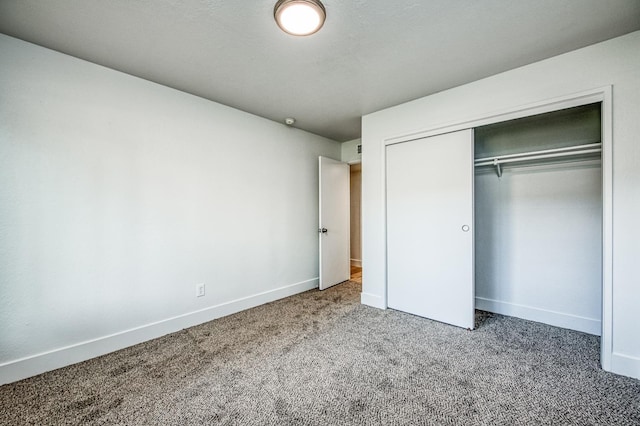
[505, 217]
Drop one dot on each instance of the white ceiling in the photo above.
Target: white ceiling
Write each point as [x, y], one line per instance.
[370, 54]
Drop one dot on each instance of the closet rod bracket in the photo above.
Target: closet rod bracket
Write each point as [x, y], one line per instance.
[497, 166]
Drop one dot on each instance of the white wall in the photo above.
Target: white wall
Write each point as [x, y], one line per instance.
[615, 62]
[350, 151]
[118, 196]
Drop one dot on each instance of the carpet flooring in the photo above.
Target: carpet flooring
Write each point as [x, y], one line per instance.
[322, 358]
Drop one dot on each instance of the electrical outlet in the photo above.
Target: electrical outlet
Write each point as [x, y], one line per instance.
[200, 290]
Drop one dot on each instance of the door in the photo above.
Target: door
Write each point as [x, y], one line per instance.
[429, 228]
[334, 222]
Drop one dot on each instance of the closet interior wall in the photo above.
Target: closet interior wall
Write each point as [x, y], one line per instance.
[538, 227]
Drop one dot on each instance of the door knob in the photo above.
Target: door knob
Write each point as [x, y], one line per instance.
[465, 228]
[322, 230]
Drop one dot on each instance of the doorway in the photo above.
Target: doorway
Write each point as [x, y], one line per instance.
[356, 240]
[538, 218]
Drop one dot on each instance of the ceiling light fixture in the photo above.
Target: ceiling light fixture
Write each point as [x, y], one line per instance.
[299, 17]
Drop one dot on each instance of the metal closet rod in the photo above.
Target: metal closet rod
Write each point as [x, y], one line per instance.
[542, 154]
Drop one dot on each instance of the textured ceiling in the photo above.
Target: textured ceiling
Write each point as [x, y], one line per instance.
[370, 54]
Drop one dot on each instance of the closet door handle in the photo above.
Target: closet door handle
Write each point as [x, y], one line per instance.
[465, 228]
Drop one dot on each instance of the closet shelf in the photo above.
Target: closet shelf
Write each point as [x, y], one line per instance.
[566, 152]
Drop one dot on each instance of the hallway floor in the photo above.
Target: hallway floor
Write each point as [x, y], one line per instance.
[356, 274]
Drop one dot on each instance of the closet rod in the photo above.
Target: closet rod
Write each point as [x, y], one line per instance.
[589, 146]
[497, 161]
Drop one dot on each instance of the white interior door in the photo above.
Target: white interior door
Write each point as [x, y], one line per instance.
[334, 222]
[430, 228]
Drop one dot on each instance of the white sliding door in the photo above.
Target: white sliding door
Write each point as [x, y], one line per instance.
[429, 228]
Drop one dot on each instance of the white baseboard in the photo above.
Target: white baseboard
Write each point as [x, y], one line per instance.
[33, 365]
[373, 300]
[558, 319]
[356, 262]
[625, 365]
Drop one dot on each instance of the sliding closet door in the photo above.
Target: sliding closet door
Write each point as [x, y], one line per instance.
[430, 269]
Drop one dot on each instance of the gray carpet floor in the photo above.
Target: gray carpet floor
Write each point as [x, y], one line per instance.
[322, 358]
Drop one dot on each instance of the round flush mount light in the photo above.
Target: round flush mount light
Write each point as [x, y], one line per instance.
[299, 17]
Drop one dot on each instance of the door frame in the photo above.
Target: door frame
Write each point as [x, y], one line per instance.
[602, 95]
